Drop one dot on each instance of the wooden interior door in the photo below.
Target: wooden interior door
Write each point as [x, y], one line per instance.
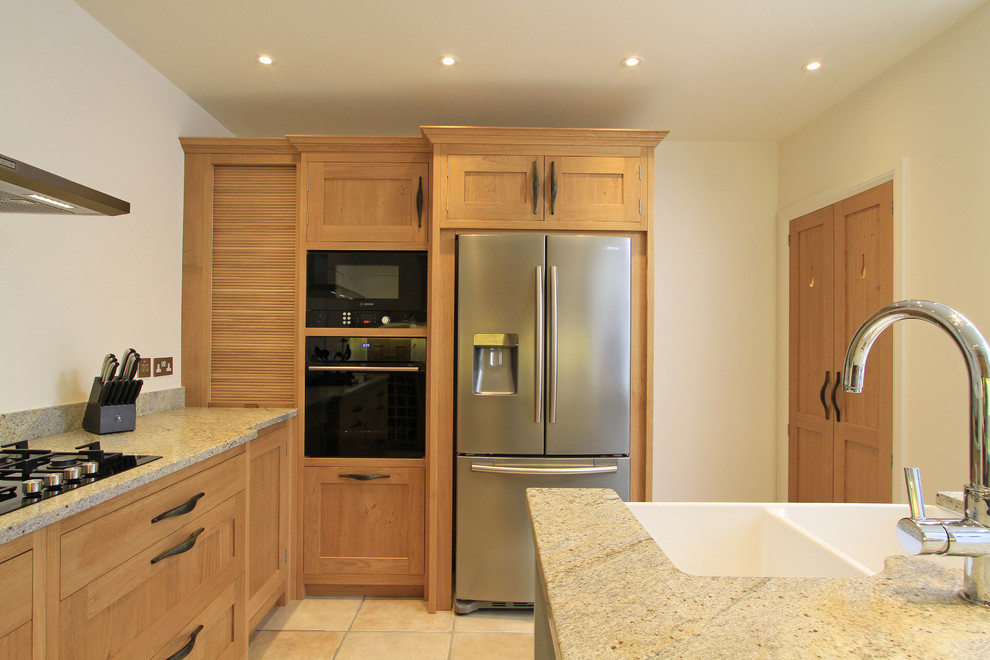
[810, 362]
[864, 266]
[841, 271]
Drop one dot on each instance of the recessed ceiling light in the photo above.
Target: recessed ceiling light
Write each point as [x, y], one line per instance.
[631, 61]
[812, 66]
[266, 59]
[448, 60]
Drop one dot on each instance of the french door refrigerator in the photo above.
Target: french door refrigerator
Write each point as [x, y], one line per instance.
[543, 394]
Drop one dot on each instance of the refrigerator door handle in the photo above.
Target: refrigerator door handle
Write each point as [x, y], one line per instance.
[598, 469]
[552, 413]
[538, 407]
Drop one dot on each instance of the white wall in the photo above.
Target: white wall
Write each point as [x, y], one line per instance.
[79, 103]
[716, 322]
[931, 109]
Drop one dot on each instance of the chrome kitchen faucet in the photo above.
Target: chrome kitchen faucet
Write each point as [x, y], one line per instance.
[918, 535]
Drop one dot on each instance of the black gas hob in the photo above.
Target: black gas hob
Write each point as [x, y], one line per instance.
[29, 475]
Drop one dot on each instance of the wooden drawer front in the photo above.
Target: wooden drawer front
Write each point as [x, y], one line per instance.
[354, 526]
[133, 608]
[211, 634]
[15, 576]
[100, 546]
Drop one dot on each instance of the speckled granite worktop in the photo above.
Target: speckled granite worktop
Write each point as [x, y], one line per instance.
[611, 592]
[182, 437]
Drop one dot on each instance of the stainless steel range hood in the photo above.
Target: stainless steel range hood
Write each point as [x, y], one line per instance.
[27, 189]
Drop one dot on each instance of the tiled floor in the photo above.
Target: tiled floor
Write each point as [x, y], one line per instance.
[343, 628]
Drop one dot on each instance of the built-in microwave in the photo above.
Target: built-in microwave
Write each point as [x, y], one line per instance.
[365, 289]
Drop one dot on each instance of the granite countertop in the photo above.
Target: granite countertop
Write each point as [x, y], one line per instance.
[182, 437]
[611, 592]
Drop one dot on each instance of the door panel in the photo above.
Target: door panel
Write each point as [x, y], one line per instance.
[497, 284]
[601, 189]
[811, 327]
[588, 413]
[864, 267]
[494, 187]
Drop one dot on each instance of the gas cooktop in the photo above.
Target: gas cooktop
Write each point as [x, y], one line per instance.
[29, 476]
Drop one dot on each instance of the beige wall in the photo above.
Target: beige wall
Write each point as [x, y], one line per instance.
[79, 103]
[715, 322]
[931, 110]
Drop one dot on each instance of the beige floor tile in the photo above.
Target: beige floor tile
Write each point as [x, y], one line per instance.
[394, 646]
[314, 613]
[298, 645]
[514, 621]
[491, 646]
[400, 615]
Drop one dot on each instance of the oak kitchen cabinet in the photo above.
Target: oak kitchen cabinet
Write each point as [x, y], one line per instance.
[140, 574]
[239, 269]
[363, 525]
[270, 511]
[22, 616]
[560, 191]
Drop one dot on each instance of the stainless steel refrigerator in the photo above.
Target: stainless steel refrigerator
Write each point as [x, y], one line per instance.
[543, 394]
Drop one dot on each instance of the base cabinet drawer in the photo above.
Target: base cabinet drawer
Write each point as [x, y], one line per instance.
[137, 606]
[213, 634]
[17, 576]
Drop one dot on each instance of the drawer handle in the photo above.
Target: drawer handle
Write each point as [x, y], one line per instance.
[180, 510]
[364, 477]
[187, 649]
[185, 546]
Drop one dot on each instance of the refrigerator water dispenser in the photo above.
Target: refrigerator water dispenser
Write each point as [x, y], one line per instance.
[495, 360]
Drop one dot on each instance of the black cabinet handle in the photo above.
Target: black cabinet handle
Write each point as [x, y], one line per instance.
[180, 510]
[185, 546]
[536, 187]
[835, 404]
[419, 202]
[821, 395]
[187, 649]
[364, 477]
[553, 188]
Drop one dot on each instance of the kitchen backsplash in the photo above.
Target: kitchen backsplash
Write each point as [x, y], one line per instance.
[41, 422]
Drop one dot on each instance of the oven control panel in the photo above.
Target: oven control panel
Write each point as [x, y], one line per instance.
[356, 319]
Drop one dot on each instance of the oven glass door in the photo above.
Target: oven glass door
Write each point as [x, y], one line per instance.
[365, 408]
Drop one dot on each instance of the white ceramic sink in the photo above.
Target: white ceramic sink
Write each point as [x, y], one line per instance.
[777, 539]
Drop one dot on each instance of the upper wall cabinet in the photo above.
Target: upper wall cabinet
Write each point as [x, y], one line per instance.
[554, 189]
[365, 190]
[512, 178]
[367, 202]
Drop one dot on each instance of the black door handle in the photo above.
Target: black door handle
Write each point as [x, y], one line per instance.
[821, 395]
[185, 546]
[835, 388]
[419, 202]
[536, 187]
[180, 510]
[553, 188]
[187, 649]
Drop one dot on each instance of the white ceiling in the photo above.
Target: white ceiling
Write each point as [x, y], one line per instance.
[714, 69]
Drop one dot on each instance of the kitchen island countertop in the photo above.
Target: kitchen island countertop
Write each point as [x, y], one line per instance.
[611, 592]
[182, 437]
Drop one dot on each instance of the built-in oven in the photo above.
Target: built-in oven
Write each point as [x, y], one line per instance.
[365, 397]
[365, 288]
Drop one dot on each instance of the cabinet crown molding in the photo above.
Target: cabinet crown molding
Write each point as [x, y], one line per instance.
[548, 136]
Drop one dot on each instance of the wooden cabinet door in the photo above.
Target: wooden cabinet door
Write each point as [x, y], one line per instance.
[268, 517]
[495, 188]
[369, 523]
[252, 309]
[864, 266]
[841, 271]
[597, 189]
[385, 202]
[810, 365]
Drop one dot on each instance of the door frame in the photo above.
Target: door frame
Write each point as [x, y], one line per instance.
[896, 172]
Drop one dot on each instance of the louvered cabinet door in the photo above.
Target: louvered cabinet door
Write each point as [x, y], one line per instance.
[253, 315]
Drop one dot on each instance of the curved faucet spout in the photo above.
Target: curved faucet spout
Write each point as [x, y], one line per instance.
[975, 351]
